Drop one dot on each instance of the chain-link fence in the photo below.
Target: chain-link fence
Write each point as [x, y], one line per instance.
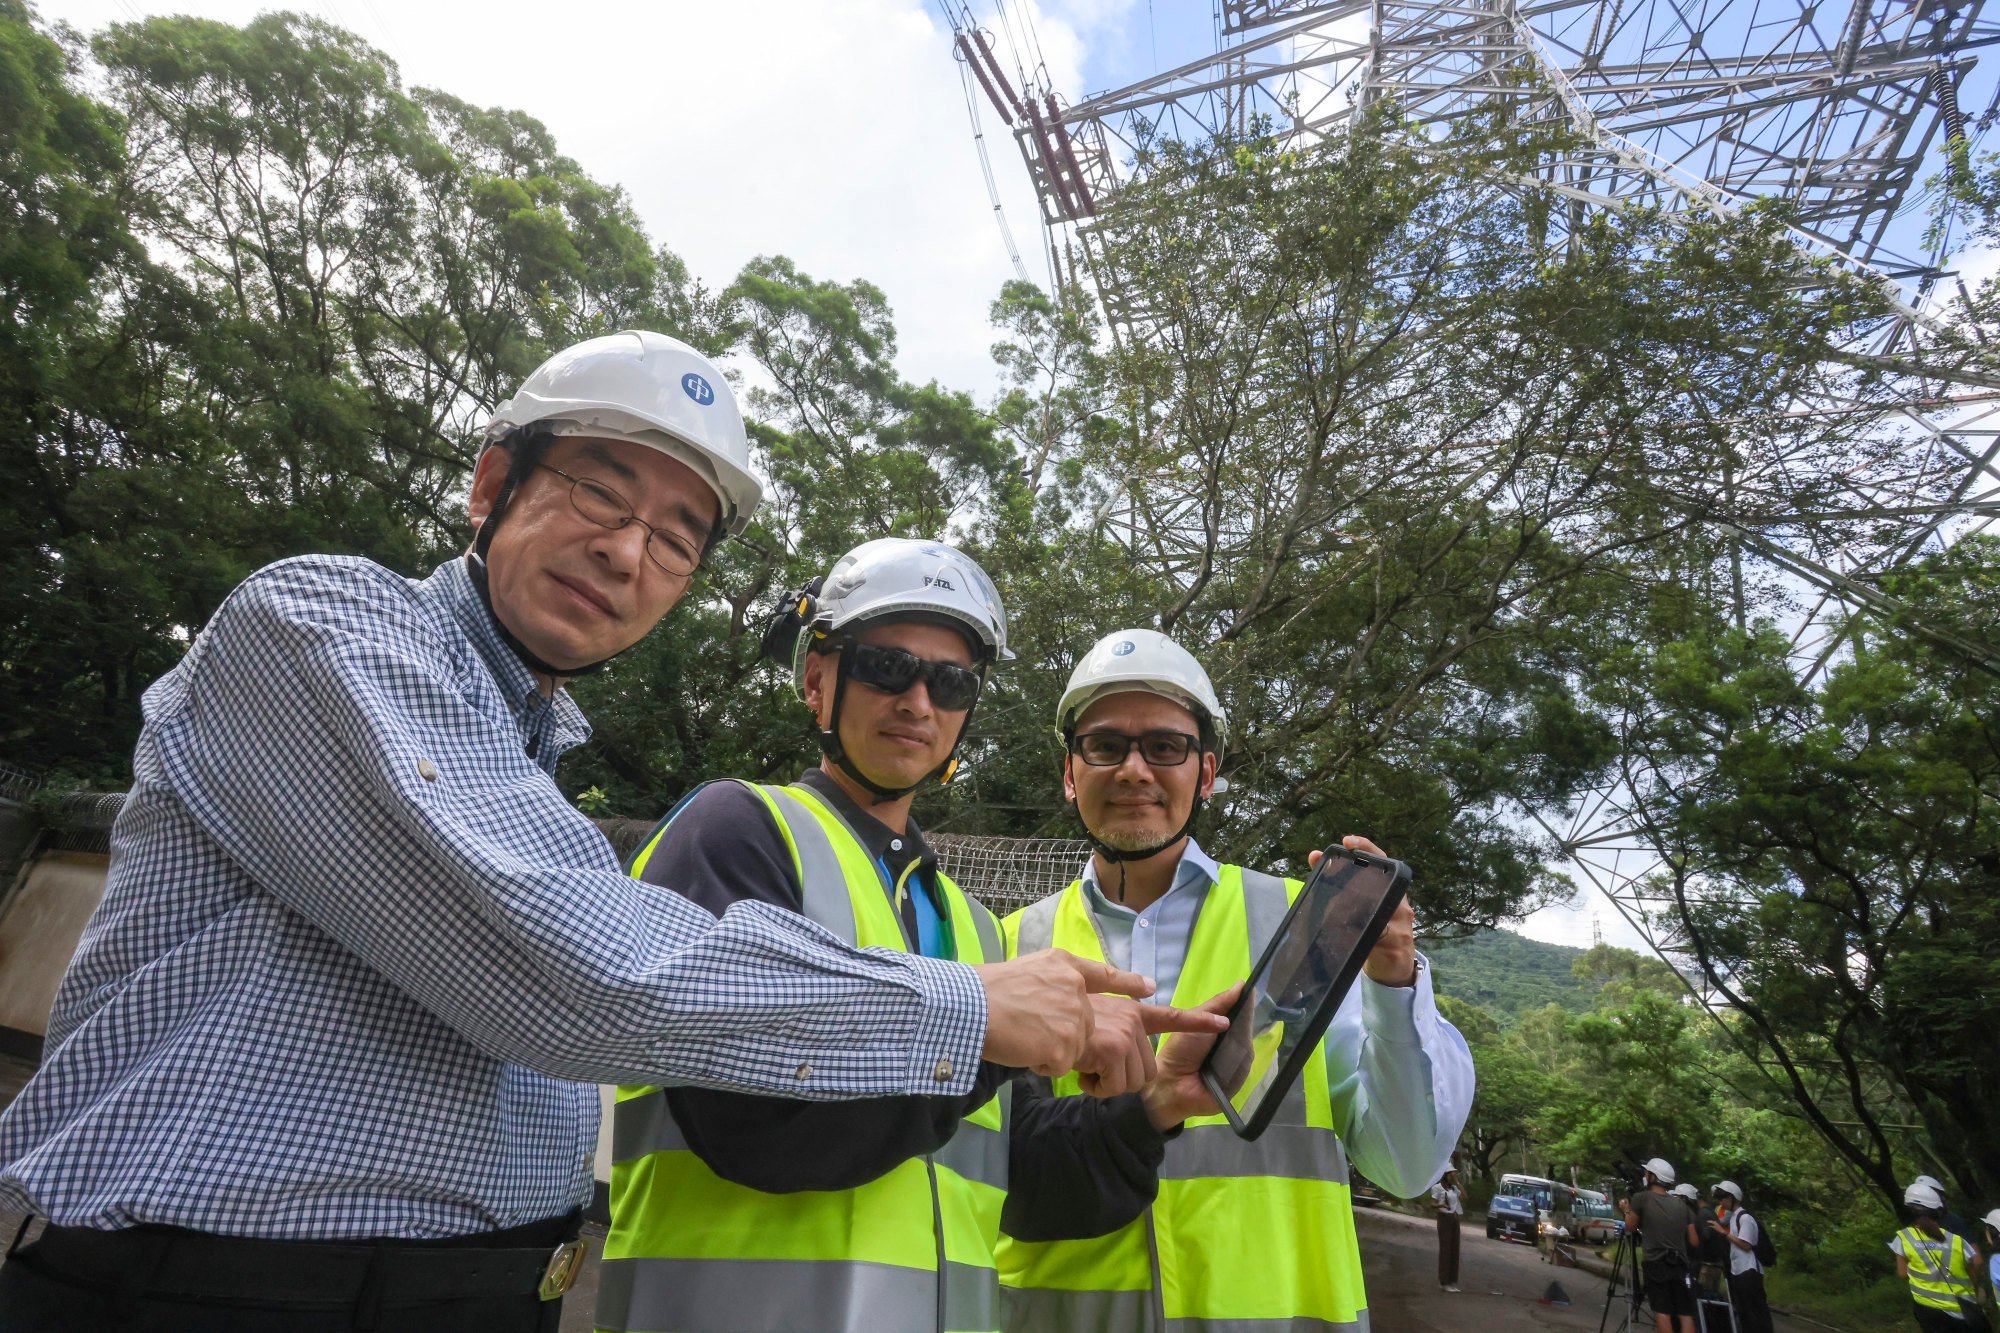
[1004, 873]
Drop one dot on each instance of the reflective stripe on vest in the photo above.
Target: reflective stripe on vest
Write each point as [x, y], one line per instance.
[1937, 1280]
[689, 1251]
[1243, 1237]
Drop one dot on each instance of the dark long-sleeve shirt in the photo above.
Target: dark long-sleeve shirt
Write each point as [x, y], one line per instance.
[1077, 1166]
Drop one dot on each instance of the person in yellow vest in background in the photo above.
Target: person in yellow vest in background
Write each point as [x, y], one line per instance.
[1240, 1231]
[734, 1212]
[1938, 1264]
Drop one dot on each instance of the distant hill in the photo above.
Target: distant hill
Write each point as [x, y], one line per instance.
[1507, 974]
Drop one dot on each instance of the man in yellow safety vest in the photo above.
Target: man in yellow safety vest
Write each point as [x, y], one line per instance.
[1239, 1231]
[734, 1212]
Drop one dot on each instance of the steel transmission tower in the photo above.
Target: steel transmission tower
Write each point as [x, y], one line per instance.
[1843, 109]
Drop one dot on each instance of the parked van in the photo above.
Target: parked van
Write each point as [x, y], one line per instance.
[1525, 1207]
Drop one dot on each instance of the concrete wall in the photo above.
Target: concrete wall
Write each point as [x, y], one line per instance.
[39, 931]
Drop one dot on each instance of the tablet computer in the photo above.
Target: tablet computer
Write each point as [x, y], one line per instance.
[1305, 971]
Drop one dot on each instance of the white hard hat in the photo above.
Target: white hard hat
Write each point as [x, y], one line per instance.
[1992, 1219]
[1731, 1188]
[1920, 1195]
[1146, 660]
[896, 576]
[1929, 1182]
[1687, 1191]
[1662, 1169]
[644, 388]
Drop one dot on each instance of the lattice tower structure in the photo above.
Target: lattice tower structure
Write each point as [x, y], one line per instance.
[1693, 106]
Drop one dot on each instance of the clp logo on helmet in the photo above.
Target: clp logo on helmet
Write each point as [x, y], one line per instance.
[1123, 648]
[697, 388]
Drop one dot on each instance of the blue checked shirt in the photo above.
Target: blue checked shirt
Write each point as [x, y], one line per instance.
[358, 964]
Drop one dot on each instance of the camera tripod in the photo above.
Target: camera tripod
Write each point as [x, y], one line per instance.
[1625, 1272]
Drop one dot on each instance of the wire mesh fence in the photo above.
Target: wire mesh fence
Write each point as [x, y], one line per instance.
[1010, 873]
[1004, 873]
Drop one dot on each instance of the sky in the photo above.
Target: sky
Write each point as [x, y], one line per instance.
[832, 131]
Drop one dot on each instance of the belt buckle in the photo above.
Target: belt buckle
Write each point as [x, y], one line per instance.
[560, 1275]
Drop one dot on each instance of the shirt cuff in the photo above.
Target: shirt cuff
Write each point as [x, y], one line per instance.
[1404, 1015]
[1126, 1119]
[951, 1028]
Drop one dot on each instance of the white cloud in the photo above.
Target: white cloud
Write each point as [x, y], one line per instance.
[833, 131]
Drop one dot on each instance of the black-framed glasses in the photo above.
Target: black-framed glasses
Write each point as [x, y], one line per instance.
[1107, 749]
[671, 551]
[892, 671]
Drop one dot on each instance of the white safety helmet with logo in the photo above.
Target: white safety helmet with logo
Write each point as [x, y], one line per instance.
[643, 388]
[1144, 659]
[903, 579]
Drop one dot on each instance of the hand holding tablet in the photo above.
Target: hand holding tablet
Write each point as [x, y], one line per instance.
[1299, 982]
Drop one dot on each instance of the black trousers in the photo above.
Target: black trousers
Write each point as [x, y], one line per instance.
[37, 1298]
[1746, 1294]
[1448, 1249]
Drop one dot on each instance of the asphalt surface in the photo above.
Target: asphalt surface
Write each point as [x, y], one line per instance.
[1500, 1283]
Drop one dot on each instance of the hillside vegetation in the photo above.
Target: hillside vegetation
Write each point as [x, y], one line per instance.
[1507, 974]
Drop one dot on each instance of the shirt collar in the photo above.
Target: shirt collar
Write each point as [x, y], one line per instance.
[873, 833]
[1196, 872]
[452, 584]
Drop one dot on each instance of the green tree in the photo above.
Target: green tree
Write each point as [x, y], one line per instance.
[1830, 847]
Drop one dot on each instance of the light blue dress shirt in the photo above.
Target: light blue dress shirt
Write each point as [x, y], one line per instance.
[358, 964]
[1401, 1076]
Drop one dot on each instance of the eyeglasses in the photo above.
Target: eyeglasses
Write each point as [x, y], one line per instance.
[1107, 749]
[892, 671]
[671, 551]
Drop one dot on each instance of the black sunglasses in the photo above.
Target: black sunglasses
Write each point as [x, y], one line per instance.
[1107, 749]
[892, 671]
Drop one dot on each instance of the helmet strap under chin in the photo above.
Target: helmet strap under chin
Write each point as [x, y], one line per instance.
[830, 742]
[1118, 856]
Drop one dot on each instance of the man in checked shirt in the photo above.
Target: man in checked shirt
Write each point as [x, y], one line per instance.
[324, 1058]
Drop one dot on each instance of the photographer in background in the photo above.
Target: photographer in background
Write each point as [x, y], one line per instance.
[1666, 1225]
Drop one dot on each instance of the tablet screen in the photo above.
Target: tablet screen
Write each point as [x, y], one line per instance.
[1320, 949]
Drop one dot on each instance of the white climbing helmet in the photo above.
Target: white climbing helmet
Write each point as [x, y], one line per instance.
[644, 388]
[897, 576]
[1687, 1191]
[1662, 1169]
[1731, 1188]
[1146, 660]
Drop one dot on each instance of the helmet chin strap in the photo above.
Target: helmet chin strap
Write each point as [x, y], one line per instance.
[830, 743]
[522, 454]
[1118, 856]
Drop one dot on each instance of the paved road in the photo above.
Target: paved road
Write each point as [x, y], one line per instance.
[1501, 1283]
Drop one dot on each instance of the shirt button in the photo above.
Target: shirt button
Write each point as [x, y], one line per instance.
[427, 770]
[802, 1073]
[943, 1071]
[895, 844]
[1143, 923]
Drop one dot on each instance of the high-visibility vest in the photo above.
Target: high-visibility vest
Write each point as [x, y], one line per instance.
[1939, 1270]
[1240, 1231]
[913, 1250]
